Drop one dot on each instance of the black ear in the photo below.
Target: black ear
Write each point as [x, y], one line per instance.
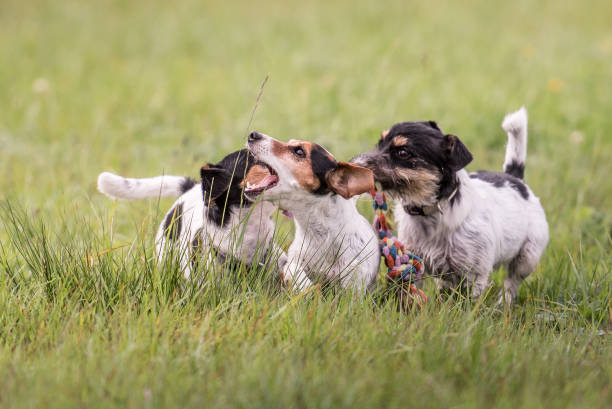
[434, 125]
[458, 155]
[215, 181]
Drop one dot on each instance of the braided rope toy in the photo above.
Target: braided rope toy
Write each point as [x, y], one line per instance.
[402, 267]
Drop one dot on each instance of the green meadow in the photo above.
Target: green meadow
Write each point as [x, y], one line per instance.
[142, 88]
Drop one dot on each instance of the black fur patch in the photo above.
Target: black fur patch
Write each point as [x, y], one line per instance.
[215, 181]
[456, 199]
[187, 184]
[321, 164]
[216, 215]
[499, 180]
[448, 184]
[458, 155]
[221, 188]
[433, 124]
[196, 249]
[515, 169]
[173, 222]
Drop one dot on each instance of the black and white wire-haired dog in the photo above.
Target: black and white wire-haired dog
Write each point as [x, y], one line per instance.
[333, 242]
[211, 215]
[464, 224]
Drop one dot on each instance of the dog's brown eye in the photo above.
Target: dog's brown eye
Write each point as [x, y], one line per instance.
[402, 153]
[299, 152]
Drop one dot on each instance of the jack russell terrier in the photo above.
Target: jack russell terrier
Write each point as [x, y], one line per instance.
[212, 215]
[333, 241]
[463, 224]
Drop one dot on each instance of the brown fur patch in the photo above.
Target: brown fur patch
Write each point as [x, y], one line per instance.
[420, 186]
[349, 180]
[301, 168]
[400, 141]
[384, 133]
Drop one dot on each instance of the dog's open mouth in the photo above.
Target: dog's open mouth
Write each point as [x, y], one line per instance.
[261, 177]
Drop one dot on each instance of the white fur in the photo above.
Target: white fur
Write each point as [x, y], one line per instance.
[247, 235]
[515, 124]
[332, 242]
[488, 227]
[118, 187]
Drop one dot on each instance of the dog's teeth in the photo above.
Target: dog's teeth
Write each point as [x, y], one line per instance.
[249, 185]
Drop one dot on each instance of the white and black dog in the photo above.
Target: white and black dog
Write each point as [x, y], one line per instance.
[332, 242]
[211, 215]
[463, 224]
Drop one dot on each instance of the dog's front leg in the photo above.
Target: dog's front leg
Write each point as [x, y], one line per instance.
[294, 275]
[281, 260]
[480, 285]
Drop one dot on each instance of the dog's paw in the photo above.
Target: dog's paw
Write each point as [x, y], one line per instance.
[505, 299]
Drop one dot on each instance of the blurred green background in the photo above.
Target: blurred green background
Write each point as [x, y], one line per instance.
[145, 87]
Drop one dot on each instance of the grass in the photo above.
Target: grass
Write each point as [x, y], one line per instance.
[143, 88]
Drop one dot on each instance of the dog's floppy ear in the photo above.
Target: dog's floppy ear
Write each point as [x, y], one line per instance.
[348, 179]
[458, 155]
[215, 181]
[434, 125]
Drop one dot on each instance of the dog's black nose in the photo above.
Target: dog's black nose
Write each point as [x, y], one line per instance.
[254, 136]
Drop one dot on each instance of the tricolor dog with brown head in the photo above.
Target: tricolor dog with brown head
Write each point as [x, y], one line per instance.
[333, 241]
[463, 224]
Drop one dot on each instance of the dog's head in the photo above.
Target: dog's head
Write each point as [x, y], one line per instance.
[223, 183]
[299, 169]
[416, 162]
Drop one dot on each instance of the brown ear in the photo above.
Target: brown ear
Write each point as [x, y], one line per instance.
[384, 133]
[348, 180]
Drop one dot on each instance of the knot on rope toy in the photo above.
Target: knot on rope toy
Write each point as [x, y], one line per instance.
[402, 267]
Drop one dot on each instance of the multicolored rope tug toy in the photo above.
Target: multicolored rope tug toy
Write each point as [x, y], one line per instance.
[401, 266]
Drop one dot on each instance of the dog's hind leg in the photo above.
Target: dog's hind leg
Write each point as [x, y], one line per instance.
[518, 270]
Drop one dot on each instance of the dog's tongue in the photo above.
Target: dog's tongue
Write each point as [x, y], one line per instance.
[264, 183]
[268, 180]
